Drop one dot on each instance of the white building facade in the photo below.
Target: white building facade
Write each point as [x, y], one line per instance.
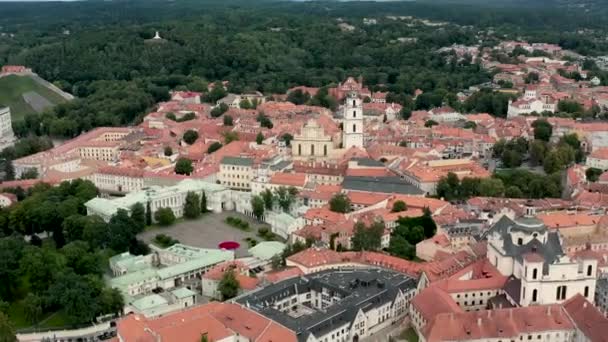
[352, 135]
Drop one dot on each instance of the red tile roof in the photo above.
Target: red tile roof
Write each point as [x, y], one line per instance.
[587, 318]
[496, 324]
[289, 179]
[217, 320]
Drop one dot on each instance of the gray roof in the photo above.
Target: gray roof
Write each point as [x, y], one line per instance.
[388, 185]
[368, 162]
[358, 289]
[551, 250]
[239, 161]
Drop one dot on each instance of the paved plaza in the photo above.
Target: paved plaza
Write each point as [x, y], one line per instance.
[208, 231]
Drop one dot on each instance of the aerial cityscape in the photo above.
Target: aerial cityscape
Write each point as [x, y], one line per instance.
[313, 171]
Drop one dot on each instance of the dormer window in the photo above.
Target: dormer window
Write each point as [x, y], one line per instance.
[520, 241]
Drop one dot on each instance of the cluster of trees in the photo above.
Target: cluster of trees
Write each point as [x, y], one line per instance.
[340, 203]
[553, 157]
[282, 197]
[488, 101]
[63, 272]
[367, 238]
[451, 188]
[517, 183]
[409, 232]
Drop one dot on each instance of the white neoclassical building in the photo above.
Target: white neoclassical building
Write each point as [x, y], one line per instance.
[219, 198]
[312, 142]
[532, 256]
[353, 122]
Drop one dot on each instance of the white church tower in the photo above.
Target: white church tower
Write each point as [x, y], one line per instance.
[352, 133]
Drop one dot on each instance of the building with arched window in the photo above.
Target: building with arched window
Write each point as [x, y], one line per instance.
[540, 271]
[313, 142]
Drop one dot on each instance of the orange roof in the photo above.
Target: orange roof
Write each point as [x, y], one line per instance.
[289, 179]
[324, 215]
[493, 324]
[217, 320]
[366, 198]
[286, 273]
[561, 220]
[600, 153]
[432, 301]
[587, 318]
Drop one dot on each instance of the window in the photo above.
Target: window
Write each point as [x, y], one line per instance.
[534, 273]
[586, 291]
[534, 294]
[354, 128]
[520, 241]
[299, 149]
[589, 270]
[312, 150]
[354, 103]
[354, 113]
[325, 150]
[561, 292]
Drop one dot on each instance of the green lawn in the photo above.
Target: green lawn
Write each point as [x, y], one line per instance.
[12, 88]
[50, 320]
[409, 335]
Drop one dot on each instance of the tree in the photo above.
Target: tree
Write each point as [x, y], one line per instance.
[264, 121]
[120, 231]
[77, 295]
[32, 307]
[532, 78]
[399, 206]
[491, 187]
[259, 139]
[218, 110]
[164, 216]
[230, 137]
[148, 214]
[339, 203]
[229, 286]
[268, 198]
[405, 113]
[190, 136]
[228, 121]
[368, 238]
[111, 301]
[285, 197]
[40, 267]
[258, 206]
[542, 129]
[430, 123]
[513, 192]
[31, 173]
[7, 331]
[138, 215]
[537, 152]
[287, 138]
[511, 158]
[168, 151]
[184, 166]
[298, 97]
[593, 174]
[216, 145]
[204, 203]
[192, 208]
[470, 125]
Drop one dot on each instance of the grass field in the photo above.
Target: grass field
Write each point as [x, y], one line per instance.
[12, 88]
[50, 320]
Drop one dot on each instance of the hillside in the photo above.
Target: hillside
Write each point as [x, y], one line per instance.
[25, 95]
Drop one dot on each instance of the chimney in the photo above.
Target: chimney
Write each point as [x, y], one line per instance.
[479, 321]
[548, 311]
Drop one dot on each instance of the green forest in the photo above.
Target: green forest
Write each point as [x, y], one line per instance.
[101, 52]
